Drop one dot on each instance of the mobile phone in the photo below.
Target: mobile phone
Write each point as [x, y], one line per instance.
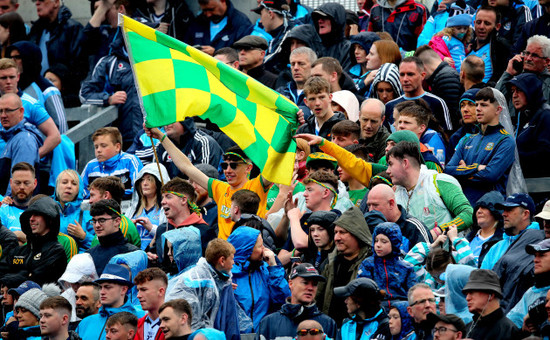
[517, 65]
[295, 259]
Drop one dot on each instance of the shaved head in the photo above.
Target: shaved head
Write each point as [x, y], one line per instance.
[382, 198]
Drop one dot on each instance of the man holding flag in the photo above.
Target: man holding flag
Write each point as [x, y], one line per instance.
[175, 81]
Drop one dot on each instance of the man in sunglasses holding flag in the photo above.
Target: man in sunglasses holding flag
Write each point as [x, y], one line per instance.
[236, 167]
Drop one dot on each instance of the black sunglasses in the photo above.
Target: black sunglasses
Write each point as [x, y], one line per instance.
[233, 165]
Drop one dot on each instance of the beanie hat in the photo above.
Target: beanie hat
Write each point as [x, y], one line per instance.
[31, 301]
[469, 95]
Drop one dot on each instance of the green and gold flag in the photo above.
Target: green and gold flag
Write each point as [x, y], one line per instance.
[175, 80]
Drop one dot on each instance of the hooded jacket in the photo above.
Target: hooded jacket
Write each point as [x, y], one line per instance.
[406, 319]
[207, 232]
[186, 250]
[93, 326]
[326, 128]
[390, 272]
[260, 287]
[108, 247]
[388, 73]
[307, 34]
[283, 323]
[335, 43]
[533, 135]
[65, 43]
[444, 82]
[71, 211]
[136, 261]
[487, 201]
[404, 22]
[365, 40]
[35, 85]
[494, 148]
[198, 146]
[209, 292]
[352, 221]
[456, 277]
[438, 20]
[22, 143]
[113, 73]
[162, 177]
[42, 259]
[8, 240]
[238, 25]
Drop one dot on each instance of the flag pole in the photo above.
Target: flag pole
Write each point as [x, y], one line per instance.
[157, 160]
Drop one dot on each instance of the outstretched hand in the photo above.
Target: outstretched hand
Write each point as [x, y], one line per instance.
[309, 138]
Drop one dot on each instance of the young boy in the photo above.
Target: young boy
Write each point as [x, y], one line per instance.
[356, 190]
[415, 116]
[345, 133]
[318, 99]
[111, 161]
[244, 202]
[121, 326]
[386, 244]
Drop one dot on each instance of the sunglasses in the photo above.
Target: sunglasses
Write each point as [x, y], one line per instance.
[233, 165]
[311, 331]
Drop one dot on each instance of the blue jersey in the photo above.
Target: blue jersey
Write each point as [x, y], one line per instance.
[485, 53]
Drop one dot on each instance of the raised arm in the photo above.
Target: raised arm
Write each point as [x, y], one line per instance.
[180, 160]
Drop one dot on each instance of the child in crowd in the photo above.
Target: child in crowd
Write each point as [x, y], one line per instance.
[452, 42]
[111, 161]
[385, 266]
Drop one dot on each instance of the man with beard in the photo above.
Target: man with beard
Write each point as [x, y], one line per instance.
[493, 50]
[23, 182]
[87, 299]
[508, 258]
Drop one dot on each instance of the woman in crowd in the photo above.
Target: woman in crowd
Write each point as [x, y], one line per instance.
[145, 209]
[386, 85]
[12, 30]
[69, 193]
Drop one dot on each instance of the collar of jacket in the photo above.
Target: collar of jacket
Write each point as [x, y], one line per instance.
[112, 239]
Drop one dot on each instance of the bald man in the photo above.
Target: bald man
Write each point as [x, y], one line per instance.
[22, 140]
[310, 330]
[382, 198]
[373, 132]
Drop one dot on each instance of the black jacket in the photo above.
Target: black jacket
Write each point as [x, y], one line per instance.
[108, 247]
[445, 83]
[538, 26]
[335, 43]
[8, 241]
[533, 141]
[265, 77]
[65, 43]
[324, 131]
[500, 54]
[177, 14]
[42, 259]
[376, 145]
[492, 326]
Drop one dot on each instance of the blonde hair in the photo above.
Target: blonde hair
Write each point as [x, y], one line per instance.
[73, 175]
[448, 31]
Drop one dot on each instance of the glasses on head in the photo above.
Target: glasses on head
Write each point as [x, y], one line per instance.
[7, 111]
[310, 331]
[532, 55]
[443, 330]
[423, 302]
[101, 220]
[233, 165]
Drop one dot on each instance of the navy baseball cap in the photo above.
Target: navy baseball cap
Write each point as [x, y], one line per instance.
[539, 247]
[306, 271]
[23, 288]
[518, 200]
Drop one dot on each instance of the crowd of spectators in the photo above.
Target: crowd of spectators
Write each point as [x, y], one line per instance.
[408, 216]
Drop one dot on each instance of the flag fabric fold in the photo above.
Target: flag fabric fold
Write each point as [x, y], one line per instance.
[175, 80]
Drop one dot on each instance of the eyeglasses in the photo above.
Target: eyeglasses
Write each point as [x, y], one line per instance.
[7, 111]
[17, 57]
[423, 302]
[443, 330]
[311, 331]
[233, 165]
[101, 221]
[532, 55]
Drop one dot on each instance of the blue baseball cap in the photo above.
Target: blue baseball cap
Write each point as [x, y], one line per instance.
[518, 200]
[117, 274]
[469, 95]
[25, 286]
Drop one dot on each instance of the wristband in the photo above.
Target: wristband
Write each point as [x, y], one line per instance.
[162, 139]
